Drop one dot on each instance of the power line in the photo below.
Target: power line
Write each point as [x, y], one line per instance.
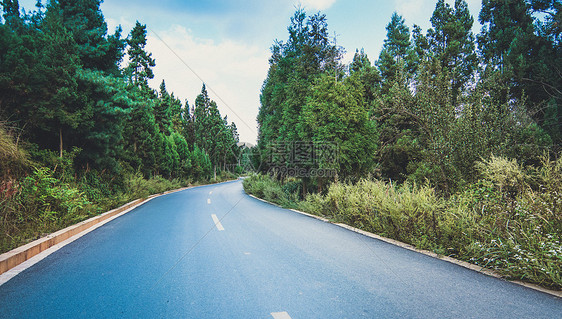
[203, 81]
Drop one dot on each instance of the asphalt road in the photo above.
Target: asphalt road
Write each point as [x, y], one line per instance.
[214, 252]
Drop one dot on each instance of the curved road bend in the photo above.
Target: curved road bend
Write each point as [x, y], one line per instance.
[214, 252]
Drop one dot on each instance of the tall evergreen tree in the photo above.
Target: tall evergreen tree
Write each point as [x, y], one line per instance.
[55, 112]
[395, 52]
[85, 21]
[162, 110]
[294, 66]
[367, 74]
[528, 60]
[139, 70]
[101, 136]
[11, 13]
[508, 29]
[336, 113]
[212, 133]
[452, 42]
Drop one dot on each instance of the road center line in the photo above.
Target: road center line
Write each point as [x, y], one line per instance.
[280, 315]
[208, 200]
[217, 222]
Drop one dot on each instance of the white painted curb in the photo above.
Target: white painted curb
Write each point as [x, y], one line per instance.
[479, 269]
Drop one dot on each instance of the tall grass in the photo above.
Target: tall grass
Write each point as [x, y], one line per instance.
[38, 205]
[281, 193]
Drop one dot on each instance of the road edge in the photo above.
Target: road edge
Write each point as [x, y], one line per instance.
[464, 264]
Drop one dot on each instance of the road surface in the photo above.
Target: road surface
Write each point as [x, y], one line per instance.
[214, 252]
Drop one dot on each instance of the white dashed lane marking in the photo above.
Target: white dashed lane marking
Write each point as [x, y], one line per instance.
[217, 222]
[280, 315]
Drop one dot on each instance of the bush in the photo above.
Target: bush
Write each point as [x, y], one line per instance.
[42, 204]
[138, 187]
[506, 174]
[408, 213]
[266, 187]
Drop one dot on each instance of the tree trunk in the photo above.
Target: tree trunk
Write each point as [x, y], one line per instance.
[60, 142]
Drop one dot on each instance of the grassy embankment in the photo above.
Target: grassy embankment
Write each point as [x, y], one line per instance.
[41, 197]
[509, 221]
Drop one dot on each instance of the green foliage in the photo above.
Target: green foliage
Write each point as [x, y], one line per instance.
[13, 159]
[139, 187]
[505, 174]
[101, 136]
[42, 204]
[521, 40]
[201, 166]
[335, 112]
[452, 43]
[98, 137]
[263, 186]
[212, 133]
[85, 21]
[139, 70]
[396, 51]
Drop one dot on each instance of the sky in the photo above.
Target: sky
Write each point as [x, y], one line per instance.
[226, 43]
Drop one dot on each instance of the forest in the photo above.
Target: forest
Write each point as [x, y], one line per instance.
[82, 132]
[449, 140]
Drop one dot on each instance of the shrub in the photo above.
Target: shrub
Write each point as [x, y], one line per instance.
[506, 174]
[268, 188]
[42, 204]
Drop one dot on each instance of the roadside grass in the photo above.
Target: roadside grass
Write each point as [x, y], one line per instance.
[509, 221]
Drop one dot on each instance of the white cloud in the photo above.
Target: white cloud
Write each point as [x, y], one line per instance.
[410, 8]
[232, 71]
[317, 4]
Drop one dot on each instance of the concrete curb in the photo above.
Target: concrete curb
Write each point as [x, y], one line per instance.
[479, 269]
[15, 257]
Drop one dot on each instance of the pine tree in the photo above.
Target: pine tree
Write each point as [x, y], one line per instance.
[162, 110]
[336, 113]
[294, 66]
[515, 45]
[395, 53]
[143, 142]
[11, 14]
[55, 112]
[367, 74]
[452, 42]
[85, 21]
[101, 136]
[139, 70]
[188, 124]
